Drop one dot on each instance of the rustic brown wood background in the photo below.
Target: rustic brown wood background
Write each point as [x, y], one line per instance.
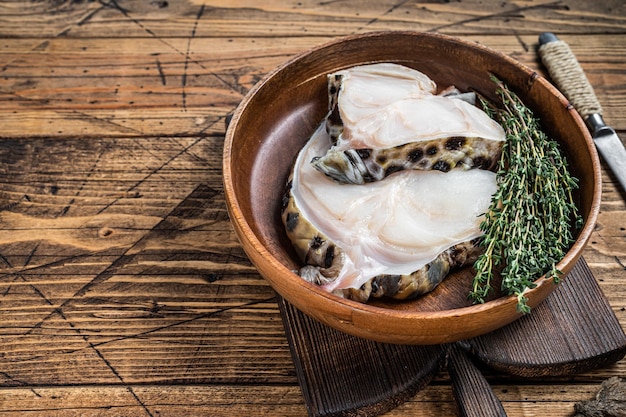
[123, 289]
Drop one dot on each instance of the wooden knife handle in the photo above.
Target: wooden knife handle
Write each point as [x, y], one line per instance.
[568, 75]
[474, 397]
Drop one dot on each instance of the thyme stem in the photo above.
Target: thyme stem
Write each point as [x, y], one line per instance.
[530, 223]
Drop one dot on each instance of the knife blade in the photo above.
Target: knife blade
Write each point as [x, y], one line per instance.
[569, 77]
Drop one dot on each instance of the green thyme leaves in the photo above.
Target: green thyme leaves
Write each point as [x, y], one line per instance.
[530, 223]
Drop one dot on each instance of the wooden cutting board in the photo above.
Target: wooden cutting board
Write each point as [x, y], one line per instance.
[572, 331]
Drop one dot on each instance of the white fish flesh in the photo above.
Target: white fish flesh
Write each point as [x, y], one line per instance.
[385, 117]
[395, 227]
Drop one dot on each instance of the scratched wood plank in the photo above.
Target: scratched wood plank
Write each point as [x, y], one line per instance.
[53, 177]
[175, 400]
[125, 18]
[79, 87]
[70, 200]
[113, 272]
[119, 264]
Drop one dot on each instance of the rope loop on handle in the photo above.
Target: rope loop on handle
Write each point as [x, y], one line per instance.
[569, 76]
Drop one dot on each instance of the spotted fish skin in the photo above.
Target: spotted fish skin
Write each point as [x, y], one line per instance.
[422, 281]
[334, 125]
[314, 249]
[323, 261]
[360, 166]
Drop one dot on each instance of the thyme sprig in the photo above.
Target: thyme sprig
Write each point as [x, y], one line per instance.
[530, 222]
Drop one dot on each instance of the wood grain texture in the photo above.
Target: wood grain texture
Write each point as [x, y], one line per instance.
[72, 87]
[573, 331]
[474, 396]
[344, 376]
[123, 289]
[221, 400]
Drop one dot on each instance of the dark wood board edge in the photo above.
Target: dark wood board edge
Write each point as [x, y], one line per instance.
[342, 375]
[574, 330]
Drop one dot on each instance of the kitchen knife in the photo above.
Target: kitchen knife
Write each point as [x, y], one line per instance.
[569, 77]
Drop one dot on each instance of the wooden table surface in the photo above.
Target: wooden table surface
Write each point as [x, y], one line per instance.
[123, 288]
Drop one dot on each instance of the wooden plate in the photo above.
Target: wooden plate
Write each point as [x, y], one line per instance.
[279, 114]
